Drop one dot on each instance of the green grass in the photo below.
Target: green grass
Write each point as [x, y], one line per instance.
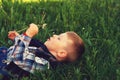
[96, 21]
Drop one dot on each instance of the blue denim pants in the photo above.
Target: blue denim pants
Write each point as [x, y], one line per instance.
[3, 56]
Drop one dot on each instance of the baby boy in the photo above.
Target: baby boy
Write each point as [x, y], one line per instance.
[28, 54]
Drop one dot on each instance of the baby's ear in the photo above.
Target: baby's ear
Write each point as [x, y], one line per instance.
[62, 54]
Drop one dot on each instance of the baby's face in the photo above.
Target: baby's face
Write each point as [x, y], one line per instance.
[57, 42]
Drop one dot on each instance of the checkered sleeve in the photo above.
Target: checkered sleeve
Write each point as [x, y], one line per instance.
[15, 52]
[24, 56]
[22, 40]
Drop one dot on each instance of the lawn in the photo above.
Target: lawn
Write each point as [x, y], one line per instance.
[29, 1]
[96, 21]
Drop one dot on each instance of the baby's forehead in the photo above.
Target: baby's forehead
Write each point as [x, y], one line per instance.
[64, 35]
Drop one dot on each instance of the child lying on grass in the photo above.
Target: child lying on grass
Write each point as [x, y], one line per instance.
[28, 54]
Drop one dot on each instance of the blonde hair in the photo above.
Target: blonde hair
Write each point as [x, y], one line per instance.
[77, 46]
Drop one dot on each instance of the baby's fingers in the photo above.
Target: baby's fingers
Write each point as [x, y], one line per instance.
[12, 33]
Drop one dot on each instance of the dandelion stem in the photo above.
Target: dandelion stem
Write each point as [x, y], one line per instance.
[27, 27]
[22, 29]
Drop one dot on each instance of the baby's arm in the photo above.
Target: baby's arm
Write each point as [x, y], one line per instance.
[30, 32]
[20, 42]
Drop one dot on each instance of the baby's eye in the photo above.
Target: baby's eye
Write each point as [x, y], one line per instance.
[58, 38]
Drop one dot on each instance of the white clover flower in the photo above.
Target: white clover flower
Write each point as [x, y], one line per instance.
[83, 28]
[53, 32]
[44, 26]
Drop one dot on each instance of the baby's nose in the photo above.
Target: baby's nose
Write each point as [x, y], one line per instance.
[54, 35]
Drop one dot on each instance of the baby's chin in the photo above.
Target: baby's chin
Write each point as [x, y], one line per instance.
[45, 43]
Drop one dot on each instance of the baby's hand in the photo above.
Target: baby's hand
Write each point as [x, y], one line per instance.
[32, 30]
[12, 34]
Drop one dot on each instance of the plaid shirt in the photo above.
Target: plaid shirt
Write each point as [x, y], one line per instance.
[24, 56]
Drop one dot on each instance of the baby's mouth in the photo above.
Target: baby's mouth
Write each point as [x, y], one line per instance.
[48, 39]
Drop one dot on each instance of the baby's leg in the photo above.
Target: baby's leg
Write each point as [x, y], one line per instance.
[3, 56]
[4, 75]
